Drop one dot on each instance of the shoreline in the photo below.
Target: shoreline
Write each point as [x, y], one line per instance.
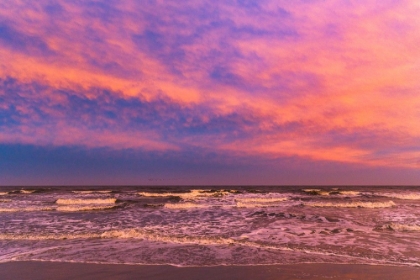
[35, 270]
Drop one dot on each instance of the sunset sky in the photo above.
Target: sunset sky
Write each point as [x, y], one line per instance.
[209, 92]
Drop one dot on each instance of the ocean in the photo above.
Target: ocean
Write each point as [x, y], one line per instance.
[210, 226]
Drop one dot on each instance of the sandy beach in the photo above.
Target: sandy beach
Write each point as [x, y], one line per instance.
[57, 270]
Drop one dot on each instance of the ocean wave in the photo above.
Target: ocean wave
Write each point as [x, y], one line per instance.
[4, 193]
[349, 193]
[259, 202]
[27, 191]
[64, 201]
[153, 236]
[261, 199]
[406, 196]
[26, 209]
[91, 192]
[400, 227]
[76, 208]
[334, 191]
[356, 204]
[150, 194]
[186, 205]
[189, 195]
[5, 200]
[46, 236]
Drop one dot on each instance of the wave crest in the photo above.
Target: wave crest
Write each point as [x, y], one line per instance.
[27, 191]
[64, 201]
[406, 196]
[26, 209]
[189, 195]
[401, 227]
[186, 205]
[356, 204]
[76, 208]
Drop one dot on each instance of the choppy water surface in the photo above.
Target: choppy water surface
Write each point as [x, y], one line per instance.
[220, 226]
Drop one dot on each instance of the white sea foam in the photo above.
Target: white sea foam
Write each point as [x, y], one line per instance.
[153, 236]
[316, 191]
[4, 193]
[256, 202]
[311, 190]
[401, 227]
[407, 196]
[186, 205]
[91, 192]
[335, 191]
[149, 194]
[260, 199]
[73, 201]
[27, 191]
[75, 208]
[26, 209]
[254, 205]
[46, 236]
[349, 193]
[188, 195]
[356, 204]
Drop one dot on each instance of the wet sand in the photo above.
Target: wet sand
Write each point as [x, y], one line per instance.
[57, 270]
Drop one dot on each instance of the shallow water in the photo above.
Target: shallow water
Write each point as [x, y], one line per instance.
[211, 226]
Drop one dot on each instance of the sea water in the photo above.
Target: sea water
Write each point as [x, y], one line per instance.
[191, 226]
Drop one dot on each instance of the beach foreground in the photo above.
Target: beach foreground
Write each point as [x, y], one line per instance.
[59, 270]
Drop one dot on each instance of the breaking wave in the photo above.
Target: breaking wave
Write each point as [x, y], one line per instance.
[91, 192]
[26, 209]
[4, 193]
[316, 192]
[401, 227]
[332, 192]
[186, 205]
[259, 202]
[174, 239]
[349, 193]
[63, 201]
[189, 195]
[408, 196]
[356, 204]
[261, 199]
[75, 208]
[27, 191]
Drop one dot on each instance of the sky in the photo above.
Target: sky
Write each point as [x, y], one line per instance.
[231, 92]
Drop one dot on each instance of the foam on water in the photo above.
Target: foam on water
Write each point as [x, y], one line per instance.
[211, 227]
[356, 204]
[334, 191]
[407, 196]
[151, 194]
[92, 192]
[401, 227]
[27, 191]
[4, 193]
[260, 199]
[77, 201]
[75, 208]
[239, 243]
[349, 193]
[188, 195]
[188, 205]
[26, 209]
[259, 202]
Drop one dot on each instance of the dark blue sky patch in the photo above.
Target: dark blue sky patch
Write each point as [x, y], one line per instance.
[25, 43]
